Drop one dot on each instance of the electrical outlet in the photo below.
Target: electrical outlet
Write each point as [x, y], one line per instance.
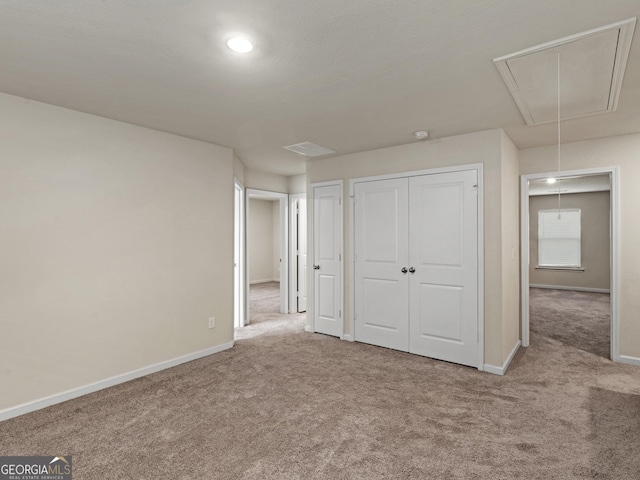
[212, 322]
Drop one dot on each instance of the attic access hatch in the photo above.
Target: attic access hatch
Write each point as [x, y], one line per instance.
[592, 67]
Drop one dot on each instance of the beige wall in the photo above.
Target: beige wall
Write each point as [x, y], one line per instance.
[238, 168]
[622, 151]
[116, 248]
[510, 206]
[297, 183]
[595, 243]
[260, 236]
[482, 147]
[270, 182]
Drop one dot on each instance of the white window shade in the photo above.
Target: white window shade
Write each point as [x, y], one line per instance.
[559, 238]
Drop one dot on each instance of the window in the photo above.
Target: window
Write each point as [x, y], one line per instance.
[559, 238]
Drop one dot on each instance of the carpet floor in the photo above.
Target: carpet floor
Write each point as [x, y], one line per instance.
[579, 319]
[286, 404]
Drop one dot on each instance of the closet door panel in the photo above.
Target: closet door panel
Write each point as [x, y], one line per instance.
[443, 226]
[381, 288]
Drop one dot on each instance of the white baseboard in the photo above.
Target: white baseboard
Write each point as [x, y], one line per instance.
[576, 289]
[266, 280]
[108, 382]
[348, 337]
[307, 328]
[503, 369]
[628, 360]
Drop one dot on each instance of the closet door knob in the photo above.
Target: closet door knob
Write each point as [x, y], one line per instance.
[404, 270]
[412, 270]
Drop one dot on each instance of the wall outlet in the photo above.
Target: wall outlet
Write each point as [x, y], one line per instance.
[212, 322]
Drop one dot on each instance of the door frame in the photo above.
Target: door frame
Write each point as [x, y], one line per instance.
[283, 200]
[293, 256]
[614, 251]
[311, 285]
[239, 246]
[478, 167]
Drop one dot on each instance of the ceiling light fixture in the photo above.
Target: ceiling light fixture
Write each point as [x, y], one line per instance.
[551, 180]
[421, 134]
[240, 45]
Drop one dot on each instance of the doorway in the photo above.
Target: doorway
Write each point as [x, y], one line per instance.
[569, 252]
[267, 247]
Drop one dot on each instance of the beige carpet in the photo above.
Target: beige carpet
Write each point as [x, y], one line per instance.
[577, 319]
[285, 404]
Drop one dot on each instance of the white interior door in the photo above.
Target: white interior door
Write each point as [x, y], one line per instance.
[381, 263]
[302, 255]
[443, 236]
[327, 259]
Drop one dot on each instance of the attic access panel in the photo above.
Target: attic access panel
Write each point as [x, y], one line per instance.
[592, 68]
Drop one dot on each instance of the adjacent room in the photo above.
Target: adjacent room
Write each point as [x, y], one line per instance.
[296, 239]
[570, 245]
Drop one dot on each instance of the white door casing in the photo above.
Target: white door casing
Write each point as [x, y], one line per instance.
[381, 263]
[443, 226]
[327, 259]
[302, 255]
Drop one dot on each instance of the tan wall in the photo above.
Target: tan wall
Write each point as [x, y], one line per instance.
[510, 204]
[270, 182]
[622, 151]
[595, 245]
[482, 147]
[260, 236]
[116, 248]
[297, 183]
[238, 168]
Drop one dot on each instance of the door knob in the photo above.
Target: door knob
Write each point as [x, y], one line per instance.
[404, 270]
[316, 267]
[412, 270]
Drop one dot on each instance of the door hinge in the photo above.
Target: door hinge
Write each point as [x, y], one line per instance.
[339, 257]
[339, 200]
[339, 313]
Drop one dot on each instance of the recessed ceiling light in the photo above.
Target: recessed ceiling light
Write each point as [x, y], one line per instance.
[421, 134]
[240, 45]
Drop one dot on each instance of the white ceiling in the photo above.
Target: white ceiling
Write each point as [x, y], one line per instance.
[350, 76]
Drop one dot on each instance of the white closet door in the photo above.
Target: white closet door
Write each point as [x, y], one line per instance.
[443, 235]
[327, 258]
[381, 288]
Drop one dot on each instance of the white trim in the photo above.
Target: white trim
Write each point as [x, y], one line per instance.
[614, 254]
[479, 167]
[309, 328]
[575, 289]
[239, 248]
[348, 337]
[108, 382]
[311, 252]
[629, 360]
[505, 366]
[293, 255]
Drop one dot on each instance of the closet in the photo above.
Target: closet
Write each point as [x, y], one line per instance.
[416, 264]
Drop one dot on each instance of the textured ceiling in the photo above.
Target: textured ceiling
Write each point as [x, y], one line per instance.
[351, 76]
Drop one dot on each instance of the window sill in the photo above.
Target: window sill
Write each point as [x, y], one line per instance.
[568, 269]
